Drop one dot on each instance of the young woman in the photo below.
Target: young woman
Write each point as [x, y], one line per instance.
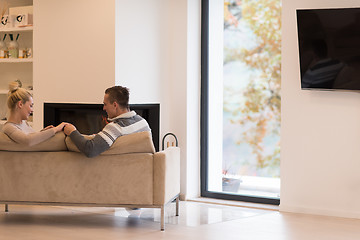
[20, 104]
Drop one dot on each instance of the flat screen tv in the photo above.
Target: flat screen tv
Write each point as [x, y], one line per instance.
[329, 48]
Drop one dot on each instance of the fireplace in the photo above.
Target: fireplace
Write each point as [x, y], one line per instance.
[91, 118]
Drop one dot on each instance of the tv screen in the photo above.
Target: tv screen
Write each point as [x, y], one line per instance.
[329, 48]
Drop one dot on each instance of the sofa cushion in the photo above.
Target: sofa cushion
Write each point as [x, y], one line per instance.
[140, 142]
[56, 143]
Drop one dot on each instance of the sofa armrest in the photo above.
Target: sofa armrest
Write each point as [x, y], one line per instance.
[166, 175]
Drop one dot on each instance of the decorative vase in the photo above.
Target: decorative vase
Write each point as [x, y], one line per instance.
[13, 47]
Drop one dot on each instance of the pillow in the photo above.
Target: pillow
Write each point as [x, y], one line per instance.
[140, 142]
[53, 144]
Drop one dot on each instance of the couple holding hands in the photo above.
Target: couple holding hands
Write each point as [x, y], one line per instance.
[116, 104]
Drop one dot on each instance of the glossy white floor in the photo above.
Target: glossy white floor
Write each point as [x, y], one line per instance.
[196, 221]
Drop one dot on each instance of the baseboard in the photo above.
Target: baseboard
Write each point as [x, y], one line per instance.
[319, 211]
[235, 203]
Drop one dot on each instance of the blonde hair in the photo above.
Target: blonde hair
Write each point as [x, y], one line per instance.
[16, 94]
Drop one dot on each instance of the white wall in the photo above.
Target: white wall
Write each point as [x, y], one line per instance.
[152, 60]
[151, 55]
[320, 134]
[74, 52]
[192, 167]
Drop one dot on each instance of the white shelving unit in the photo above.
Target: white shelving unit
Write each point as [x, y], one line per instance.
[12, 69]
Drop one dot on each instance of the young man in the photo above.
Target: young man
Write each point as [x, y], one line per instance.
[122, 122]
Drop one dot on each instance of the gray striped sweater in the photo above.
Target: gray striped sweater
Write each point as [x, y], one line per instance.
[124, 124]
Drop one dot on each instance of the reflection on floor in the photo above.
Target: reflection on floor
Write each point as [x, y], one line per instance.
[196, 221]
[196, 214]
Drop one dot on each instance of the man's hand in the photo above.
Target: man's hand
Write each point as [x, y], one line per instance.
[69, 128]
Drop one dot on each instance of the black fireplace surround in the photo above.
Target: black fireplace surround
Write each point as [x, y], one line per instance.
[91, 118]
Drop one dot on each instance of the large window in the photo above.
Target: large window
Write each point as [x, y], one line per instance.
[241, 56]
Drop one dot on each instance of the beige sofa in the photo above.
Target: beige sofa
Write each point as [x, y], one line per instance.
[129, 174]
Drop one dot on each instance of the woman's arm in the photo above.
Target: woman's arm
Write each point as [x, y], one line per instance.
[28, 139]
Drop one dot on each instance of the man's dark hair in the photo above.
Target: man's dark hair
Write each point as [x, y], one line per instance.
[119, 94]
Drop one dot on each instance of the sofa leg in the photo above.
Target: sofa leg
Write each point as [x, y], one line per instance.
[177, 206]
[6, 208]
[162, 218]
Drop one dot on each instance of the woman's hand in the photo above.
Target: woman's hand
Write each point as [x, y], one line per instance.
[60, 127]
[48, 127]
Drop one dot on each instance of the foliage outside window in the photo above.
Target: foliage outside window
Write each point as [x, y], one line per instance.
[256, 107]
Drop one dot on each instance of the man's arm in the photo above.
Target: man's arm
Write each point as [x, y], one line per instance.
[93, 147]
[90, 147]
[106, 137]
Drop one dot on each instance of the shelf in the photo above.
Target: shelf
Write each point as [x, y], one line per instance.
[5, 91]
[16, 60]
[17, 29]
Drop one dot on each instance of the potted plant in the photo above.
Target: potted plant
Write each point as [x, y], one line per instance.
[230, 183]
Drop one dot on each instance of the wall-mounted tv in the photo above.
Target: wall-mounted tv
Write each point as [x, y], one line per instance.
[329, 48]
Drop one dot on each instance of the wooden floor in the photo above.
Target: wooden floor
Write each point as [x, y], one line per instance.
[196, 221]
